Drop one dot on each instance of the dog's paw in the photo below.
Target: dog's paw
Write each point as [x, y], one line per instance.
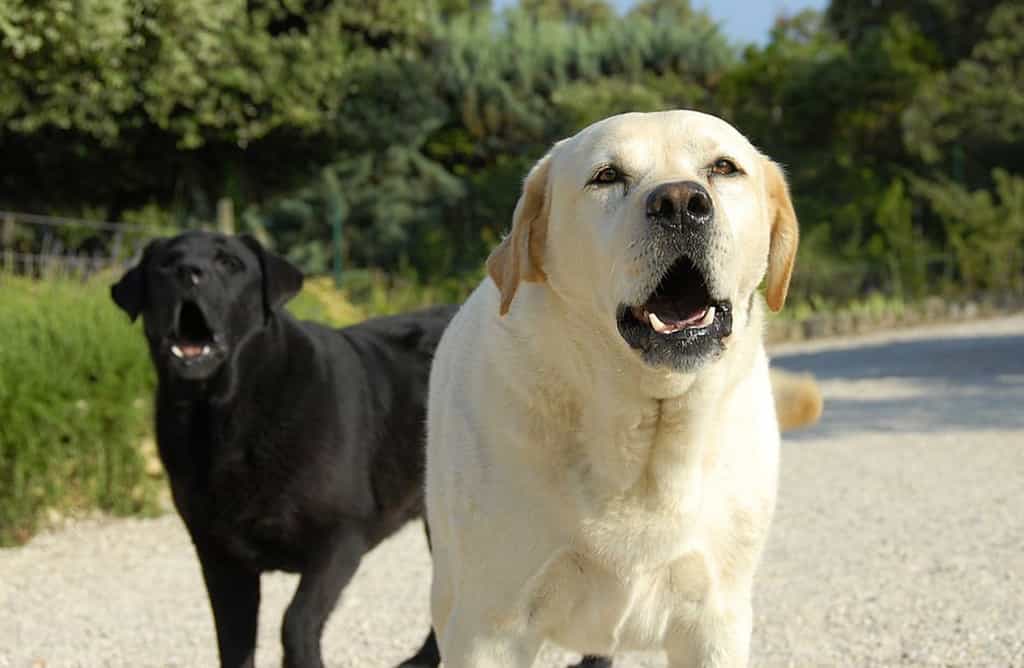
[427, 656]
[593, 662]
[420, 662]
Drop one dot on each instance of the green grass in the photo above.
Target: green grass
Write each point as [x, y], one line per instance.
[874, 304]
[76, 388]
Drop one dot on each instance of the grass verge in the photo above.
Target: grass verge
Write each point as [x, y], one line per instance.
[76, 390]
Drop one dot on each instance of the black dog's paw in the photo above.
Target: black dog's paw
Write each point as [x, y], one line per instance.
[419, 662]
[428, 656]
[594, 662]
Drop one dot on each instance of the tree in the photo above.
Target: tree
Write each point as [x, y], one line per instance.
[971, 118]
[951, 27]
[985, 229]
[675, 10]
[116, 103]
[829, 110]
[576, 12]
[900, 244]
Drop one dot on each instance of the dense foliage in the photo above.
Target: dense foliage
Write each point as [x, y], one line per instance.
[901, 123]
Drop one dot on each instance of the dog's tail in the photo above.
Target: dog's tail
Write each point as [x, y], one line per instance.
[798, 400]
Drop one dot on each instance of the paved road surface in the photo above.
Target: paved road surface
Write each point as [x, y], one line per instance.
[899, 538]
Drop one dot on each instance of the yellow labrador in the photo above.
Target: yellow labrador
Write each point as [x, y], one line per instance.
[602, 442]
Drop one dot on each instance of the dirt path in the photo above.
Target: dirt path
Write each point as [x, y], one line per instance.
[899, 538]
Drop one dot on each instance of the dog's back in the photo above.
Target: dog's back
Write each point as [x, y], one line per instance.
[385, 382]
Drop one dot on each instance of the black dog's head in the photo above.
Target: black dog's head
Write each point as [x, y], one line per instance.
[200, 295]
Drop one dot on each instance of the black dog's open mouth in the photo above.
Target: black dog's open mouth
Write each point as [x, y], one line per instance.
[193, 338]
[680, 316]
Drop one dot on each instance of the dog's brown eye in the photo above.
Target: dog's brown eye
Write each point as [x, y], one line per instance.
[170, 261]
[724, 167]
[229, 262]
[607, 175]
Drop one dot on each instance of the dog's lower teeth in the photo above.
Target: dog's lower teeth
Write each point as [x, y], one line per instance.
[206, 350]
[659, 326]
[177, 351]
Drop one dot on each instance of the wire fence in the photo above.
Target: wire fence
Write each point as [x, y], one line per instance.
[45, 247]
[49, 246]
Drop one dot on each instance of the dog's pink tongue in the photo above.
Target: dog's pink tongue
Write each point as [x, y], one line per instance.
[191, 350]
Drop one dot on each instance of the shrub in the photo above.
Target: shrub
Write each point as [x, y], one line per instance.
[75, 382]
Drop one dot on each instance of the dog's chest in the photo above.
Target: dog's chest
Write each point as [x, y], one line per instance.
[640, 483]
[584, 607]
[259, 526]
[658, 524]
[246, 505]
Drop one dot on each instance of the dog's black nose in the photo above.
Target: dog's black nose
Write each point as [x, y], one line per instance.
[190, 274]
[675, 205]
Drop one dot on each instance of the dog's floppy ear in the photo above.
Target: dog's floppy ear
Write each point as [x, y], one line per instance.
[519, 256]
[282, 280]
[130, 292]
[785, 235]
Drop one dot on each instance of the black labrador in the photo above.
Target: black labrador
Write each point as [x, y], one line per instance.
[288, 445]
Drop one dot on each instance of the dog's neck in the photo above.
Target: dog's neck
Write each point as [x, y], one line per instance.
[640, 428]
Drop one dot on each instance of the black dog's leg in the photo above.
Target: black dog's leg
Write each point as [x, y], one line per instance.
[314, 600]
[428, 655]
[235, 598]
[594, 662]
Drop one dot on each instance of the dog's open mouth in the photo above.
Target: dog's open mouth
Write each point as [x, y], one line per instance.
[193, 338]
[679, 316]
[681, 301]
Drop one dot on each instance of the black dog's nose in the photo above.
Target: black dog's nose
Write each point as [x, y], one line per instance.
[190, 274]
[681, 203]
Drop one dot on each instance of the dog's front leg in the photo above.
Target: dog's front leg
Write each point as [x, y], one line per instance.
[720, 639]
[321, 584]
[234, 592]
[429, 655]
[469, 643]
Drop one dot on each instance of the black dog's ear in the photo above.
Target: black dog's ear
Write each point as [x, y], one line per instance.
[282, 280]
[130, 292]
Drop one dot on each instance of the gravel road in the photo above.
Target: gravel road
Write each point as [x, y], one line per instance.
[898, 541]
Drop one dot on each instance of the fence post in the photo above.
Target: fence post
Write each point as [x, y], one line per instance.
[7, 241]
[337, 209]
[54, 266]
[226, 215]
[7, 232]
[115, 252]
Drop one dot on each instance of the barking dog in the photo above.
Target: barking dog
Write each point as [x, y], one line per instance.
[602, 439]
[289, 446]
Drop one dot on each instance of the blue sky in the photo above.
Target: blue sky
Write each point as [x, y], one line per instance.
[749, 20]
[741, 20]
